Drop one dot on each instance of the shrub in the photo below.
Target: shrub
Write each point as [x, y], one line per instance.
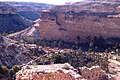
[56, 58]
[16, 68]
[4, 71]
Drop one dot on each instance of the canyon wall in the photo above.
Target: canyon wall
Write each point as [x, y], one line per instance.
[70, 25]
[80, 19]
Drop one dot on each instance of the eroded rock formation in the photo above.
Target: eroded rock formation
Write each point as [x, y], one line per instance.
[59, 72]
[69, 25]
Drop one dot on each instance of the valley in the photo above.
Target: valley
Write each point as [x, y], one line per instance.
[73, 41]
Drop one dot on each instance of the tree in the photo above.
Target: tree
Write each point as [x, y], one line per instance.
[60, 44]
[106, 50]
[57, 58]
[90, 50]
[78, 38]
[16, 68]
[4, 71]
[91, 45]
[80, 51]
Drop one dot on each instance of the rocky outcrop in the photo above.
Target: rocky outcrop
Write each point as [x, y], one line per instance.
[60, 72]
[48, 72]
[94, 73]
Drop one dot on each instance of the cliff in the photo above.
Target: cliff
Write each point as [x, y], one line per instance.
[69, 25]
[80, 19]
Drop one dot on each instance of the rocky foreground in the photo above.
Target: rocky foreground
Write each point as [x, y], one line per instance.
[67, 72]
[61, 72]
[22, 54]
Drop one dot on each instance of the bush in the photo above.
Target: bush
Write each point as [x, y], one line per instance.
[4, 71]
[16, 68]
[56, 58]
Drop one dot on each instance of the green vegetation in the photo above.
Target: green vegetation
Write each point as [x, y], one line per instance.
[96, 44]
[16, 68]
[6, 72]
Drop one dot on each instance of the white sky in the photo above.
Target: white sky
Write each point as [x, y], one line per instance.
[46, 1]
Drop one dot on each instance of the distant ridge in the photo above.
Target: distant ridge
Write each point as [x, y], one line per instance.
[6, 9]
[10, 20]
[29, 10]
[91, 5]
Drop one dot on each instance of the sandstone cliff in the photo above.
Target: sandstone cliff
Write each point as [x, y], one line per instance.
[80, 19]
[68, 25]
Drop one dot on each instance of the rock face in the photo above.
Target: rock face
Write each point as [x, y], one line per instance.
[81, 19]
[60, 72]
[93, 73]
[69, 25]
[6, 9]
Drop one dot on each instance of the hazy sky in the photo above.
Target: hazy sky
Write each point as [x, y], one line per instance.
[46, 1]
